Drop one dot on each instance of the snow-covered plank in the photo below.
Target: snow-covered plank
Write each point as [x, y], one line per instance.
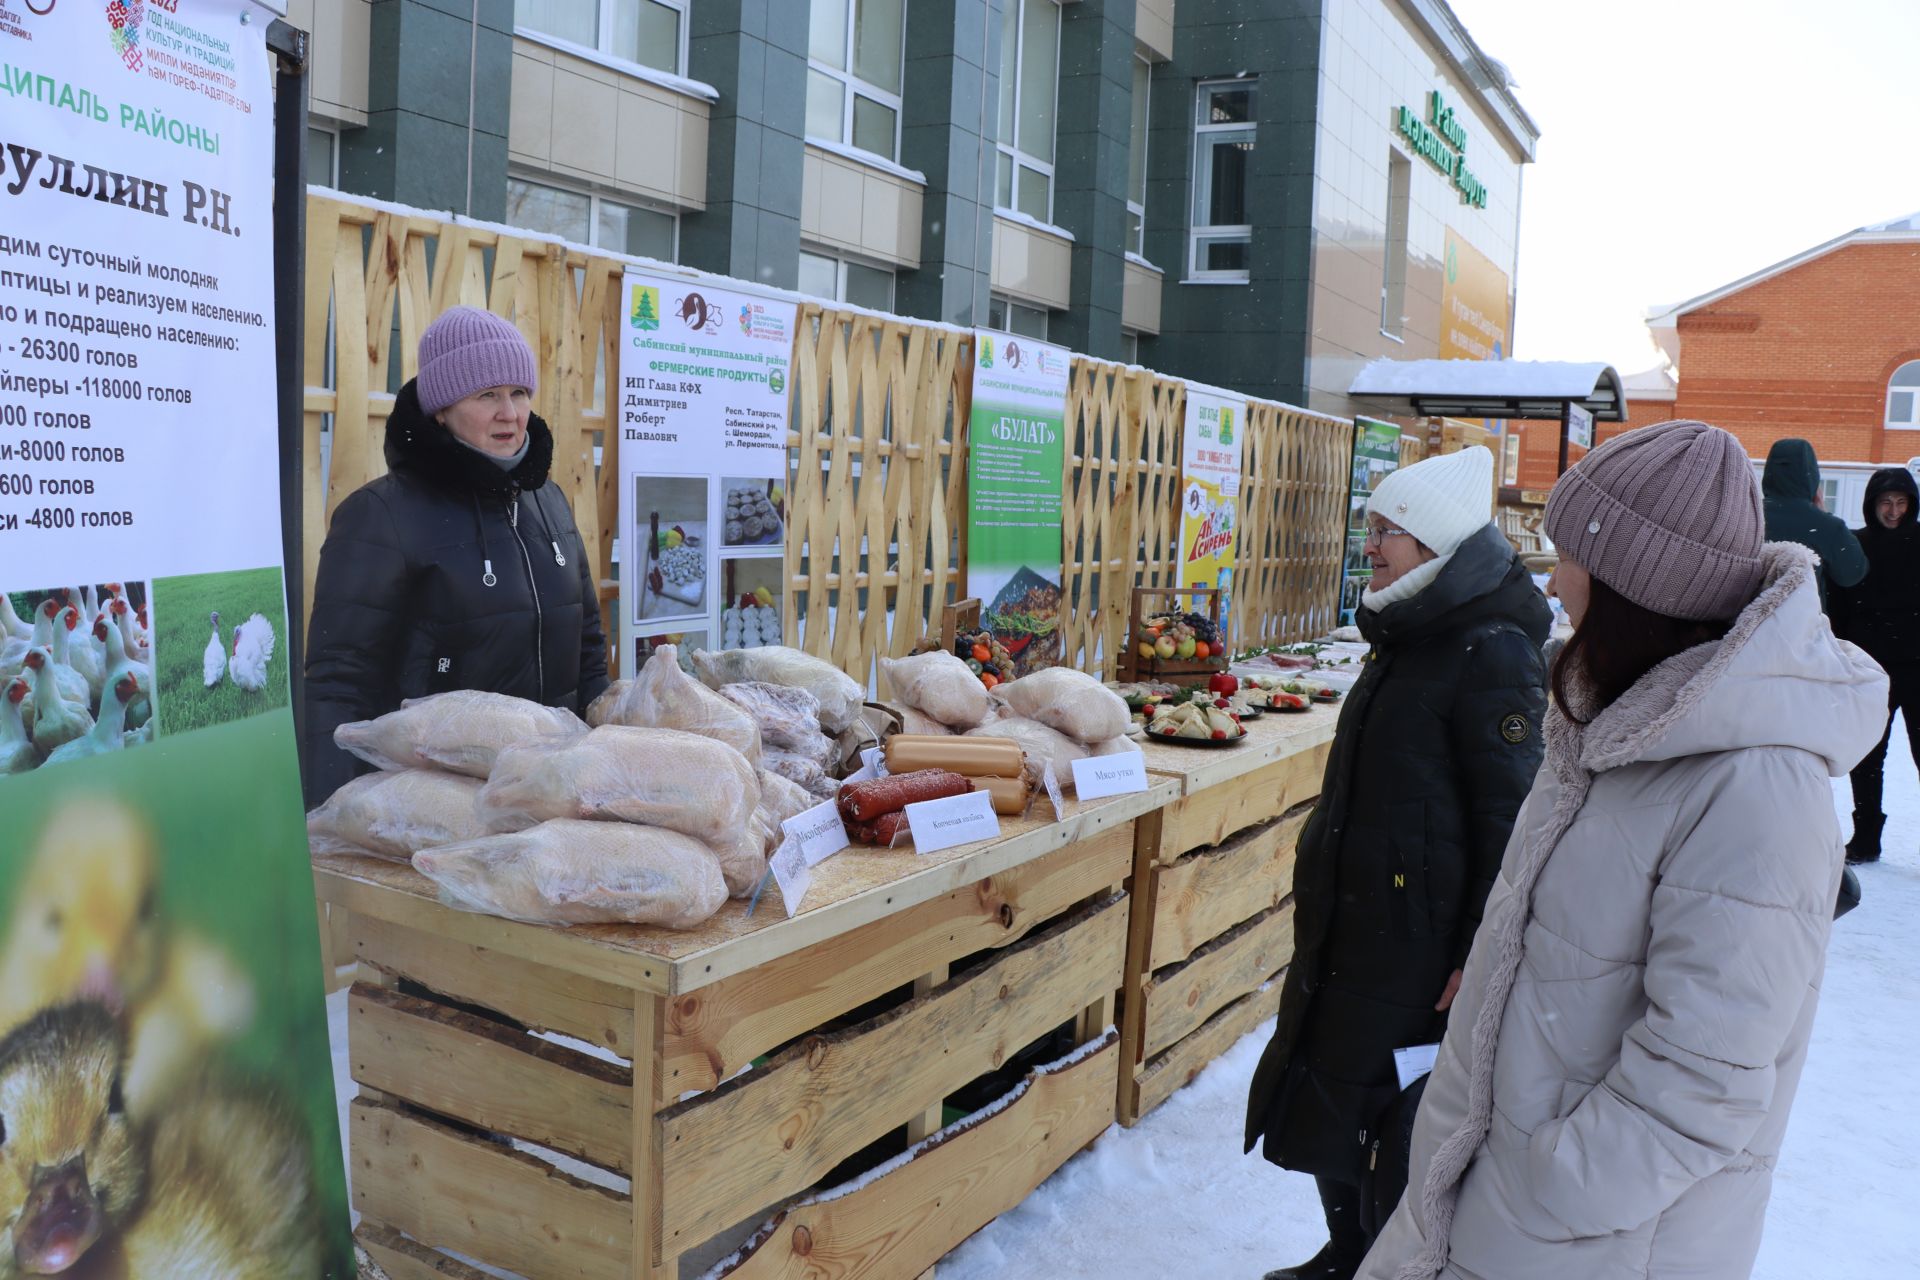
[491, 1076]
[902, 1221]
[1207, 893]
[1226, 969]
[1209, 816]
[488, 1202]
[1176, 1068]
[775, 1131]
[714, 1032]
[404, 1259]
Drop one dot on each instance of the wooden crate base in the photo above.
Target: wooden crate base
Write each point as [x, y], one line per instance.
[1176, 1068]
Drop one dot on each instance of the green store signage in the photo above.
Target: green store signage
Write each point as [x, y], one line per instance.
[1442, 140]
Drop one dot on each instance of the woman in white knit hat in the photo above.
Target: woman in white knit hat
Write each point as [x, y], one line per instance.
[1437, 746]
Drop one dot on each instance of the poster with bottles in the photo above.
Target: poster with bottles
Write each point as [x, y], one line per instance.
[703, 412]
[1376, 455]
[163, 1038]
[1210, 449]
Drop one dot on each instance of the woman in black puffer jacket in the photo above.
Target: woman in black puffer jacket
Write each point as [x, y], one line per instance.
[461, 568]
[1437, 746]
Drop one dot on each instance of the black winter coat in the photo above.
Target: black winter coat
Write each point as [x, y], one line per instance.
[447, 573]
[1789, 483]
[1437, 746]
[1882, 613]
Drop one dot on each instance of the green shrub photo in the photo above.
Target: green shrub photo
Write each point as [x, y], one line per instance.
[219, 652]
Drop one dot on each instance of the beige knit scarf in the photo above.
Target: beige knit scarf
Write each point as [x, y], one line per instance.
[1577, 753]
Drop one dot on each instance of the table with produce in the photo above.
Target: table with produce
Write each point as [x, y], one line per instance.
[590, 1037]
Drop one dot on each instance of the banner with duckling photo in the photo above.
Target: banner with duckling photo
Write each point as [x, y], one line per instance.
[164, 1064]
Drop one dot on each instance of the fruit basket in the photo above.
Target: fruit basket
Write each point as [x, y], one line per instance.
[1172, 645]
[962, 636]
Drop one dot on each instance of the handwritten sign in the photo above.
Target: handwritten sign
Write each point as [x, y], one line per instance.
[1110, 775]
[791, 873]
[941, 824]
[818, 831]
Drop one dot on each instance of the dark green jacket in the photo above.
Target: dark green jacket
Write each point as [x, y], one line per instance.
[1789, 484]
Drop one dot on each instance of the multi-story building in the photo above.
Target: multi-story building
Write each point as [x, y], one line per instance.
[1260, 194]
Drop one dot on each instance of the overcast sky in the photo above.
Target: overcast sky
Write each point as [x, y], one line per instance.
[1686, 143]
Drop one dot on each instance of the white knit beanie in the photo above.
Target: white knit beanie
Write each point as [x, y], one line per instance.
[1442, 501]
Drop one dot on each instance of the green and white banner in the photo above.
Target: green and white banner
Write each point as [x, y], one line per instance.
[162, 1027]
[1016, 471]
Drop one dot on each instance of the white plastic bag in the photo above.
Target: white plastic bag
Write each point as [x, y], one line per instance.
[461, 731]
[806, 773]
[789, 718]
[601, 707]
[572, 872]
[779, 801]
[1071, 701]
[1113, 746]
[838, 693]
[663, 696]
[920, 724]
[1042, 746]
[940, 686]
[396, 814]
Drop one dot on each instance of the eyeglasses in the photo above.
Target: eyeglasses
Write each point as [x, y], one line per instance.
[1379, 536]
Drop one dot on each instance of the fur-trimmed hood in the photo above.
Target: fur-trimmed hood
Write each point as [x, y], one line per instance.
[1778, 679]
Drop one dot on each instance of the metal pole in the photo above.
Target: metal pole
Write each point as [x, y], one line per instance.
[1566, 426]
[289, 46]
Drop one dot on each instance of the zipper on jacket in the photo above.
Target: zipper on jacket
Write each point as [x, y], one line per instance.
[539, 621]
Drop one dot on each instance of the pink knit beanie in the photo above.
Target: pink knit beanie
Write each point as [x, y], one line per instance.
[468, 350]
[1669, 516]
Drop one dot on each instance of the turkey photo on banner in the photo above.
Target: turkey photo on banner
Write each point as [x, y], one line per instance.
[1016, 467]
[703, 396]
[164, 1061]
[1210, 493]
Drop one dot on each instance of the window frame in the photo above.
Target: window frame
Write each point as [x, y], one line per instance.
[855, 87]
[1006, 147]
[332, 132]
[595, 200]
[602, 46]
[841, 263]
[1895, 387]
[1137, 192]
[1206, 136]
[1396, 246]
[1009, 303]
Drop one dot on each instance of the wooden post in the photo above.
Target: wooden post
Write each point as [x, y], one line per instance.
[649, 1037]
[1142, 890]
[933, 1119]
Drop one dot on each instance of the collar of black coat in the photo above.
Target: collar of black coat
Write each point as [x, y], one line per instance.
[419, 445]
[1483, 580]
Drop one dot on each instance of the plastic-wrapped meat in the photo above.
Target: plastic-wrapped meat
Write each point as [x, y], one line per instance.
[939, 686]
[572, 872]
[789, 718]
[839, 695]
[663, 696]
[461, 731]
[1070, 701]
[865, 801]
[804, 772]
[920, 724]
[601, 707]
[396, 814]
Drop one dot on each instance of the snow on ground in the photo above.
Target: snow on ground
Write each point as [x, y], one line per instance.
[1174, 1196]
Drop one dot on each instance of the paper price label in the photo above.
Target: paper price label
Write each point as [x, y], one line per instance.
[1052, 782]
[820, 832]
[791, 873]
[874, 758]
[1110, 775]
[941, 824]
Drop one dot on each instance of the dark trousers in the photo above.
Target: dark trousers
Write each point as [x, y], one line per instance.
[1341, 1203]
[1869, 776]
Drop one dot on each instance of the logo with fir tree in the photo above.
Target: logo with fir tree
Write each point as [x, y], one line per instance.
[646, 307]
[1226, 426]
[986, 353]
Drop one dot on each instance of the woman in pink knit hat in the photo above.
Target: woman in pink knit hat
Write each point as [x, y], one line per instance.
[1614, 1085]
[461, 568]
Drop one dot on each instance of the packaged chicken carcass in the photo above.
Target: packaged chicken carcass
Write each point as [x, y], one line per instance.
[920, 724]
[575, 872]
[779, 801]
[798, 769]
[663, 696]
[939, 686]
[1071, 701]
[1113, 746]
[396, 814]
[1042, 745]
[838, 693]
[601, 707]
[461, 731]
[789, 718]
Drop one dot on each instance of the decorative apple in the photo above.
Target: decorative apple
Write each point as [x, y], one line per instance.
[1223, 683]
[1165, 647]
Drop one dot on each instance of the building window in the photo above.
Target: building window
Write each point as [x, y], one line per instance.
[1222, 240]
[856, 50]
[323, 157]
[1903, 397]
[841, 281]
[1393, 283]
[651, 33]
[590, 219]
[1008, 316]
[1137, 159]
[1029, 93]
[1129, 347]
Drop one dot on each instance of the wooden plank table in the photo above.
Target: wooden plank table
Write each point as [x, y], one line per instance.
[1210, 895]
[727, 1070]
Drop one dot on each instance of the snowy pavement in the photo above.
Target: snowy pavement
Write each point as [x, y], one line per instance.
[1174, 1196]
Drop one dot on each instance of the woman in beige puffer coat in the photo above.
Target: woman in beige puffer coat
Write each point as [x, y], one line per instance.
[1613, 1089]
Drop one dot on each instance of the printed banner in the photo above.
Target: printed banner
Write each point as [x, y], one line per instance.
[160, 982]
[1376, 455]
[1016, 467]
[1210, 493]
[703, 465]
[1475, 302]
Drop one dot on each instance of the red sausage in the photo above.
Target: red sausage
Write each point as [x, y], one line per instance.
[865, 801]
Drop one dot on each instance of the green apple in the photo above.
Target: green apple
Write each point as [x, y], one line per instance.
[1186, 646]
[1165, 647]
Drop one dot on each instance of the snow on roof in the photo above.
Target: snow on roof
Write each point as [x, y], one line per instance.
[1494, 388]
[1906, 227]
[1657, 383]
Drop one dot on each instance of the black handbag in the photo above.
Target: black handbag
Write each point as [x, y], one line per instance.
[1849, 893]
[1385, 1180]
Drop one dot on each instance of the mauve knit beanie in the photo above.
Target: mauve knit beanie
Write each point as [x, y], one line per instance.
[1669, 516]
[468, 350]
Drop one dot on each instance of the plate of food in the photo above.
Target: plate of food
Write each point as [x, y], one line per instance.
[1194, 724]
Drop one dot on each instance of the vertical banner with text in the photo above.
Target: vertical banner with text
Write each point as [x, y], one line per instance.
[1210, 446]
[1376, 455]
[1016, 470]
[160, 981]
[703, 401]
